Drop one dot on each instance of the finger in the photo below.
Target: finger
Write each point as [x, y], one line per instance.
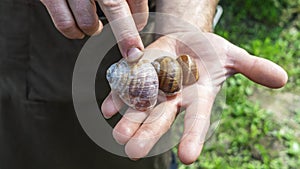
[123, 26]
[259, 70]
[111, 105]
[157, 124]
[196, 124]
[139, 10]
[63, 18]
[128, 125]
[85, 15]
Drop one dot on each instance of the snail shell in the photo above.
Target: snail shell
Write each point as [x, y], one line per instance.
[169, 74]
[136, 84]
[189, 69]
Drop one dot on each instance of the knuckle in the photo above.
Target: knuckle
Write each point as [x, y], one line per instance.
[124, 130]
[65, 26]
[88, 27]
[120, 137]
[150, 132]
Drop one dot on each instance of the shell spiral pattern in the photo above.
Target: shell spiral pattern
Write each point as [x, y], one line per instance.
[189, 69]
[136, 85]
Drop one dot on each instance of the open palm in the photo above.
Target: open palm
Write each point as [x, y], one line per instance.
[217, 59]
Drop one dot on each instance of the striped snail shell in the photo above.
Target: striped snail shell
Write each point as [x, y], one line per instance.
[189, 69]
[136, 84]
[169, 75]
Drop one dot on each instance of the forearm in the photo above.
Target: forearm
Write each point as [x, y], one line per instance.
[199, 13]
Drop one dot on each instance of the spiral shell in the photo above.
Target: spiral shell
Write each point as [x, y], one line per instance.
[169, 74]
[136, 84]
[189, 69]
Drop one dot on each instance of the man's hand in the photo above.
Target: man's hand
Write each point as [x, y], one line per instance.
[77, 18]
[185, 33]
[217, 60]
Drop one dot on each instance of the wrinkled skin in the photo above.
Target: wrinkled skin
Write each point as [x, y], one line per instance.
[77, 18]
[217, 59]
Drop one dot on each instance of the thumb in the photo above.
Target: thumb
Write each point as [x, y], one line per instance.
[259, 70]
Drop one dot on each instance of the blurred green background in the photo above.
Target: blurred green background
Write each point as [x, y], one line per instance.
[260, 127]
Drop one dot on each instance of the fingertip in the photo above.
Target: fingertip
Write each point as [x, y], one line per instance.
[99, 30]
[131, 47]
[269, 74]
[257, 69]
[135, 149]
[122, 132]
[188, 152]
[106, 111]
[108, 107]
[284, 78]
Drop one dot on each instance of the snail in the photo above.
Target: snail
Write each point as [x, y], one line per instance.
[138, 84]
[189, 69]
[169, 73]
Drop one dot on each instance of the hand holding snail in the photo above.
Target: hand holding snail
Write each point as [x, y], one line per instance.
[219, 59]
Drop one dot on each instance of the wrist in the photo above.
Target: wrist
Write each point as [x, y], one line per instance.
[198, 13]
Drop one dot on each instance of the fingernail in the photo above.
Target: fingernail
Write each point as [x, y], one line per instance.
[134, 159]
[134, 54]
[106, 116]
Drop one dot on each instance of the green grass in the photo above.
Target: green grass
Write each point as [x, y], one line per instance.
[249, 136]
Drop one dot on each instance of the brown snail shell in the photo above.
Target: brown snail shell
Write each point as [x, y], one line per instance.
[136, 84]
[169, 75]
[189, 69]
